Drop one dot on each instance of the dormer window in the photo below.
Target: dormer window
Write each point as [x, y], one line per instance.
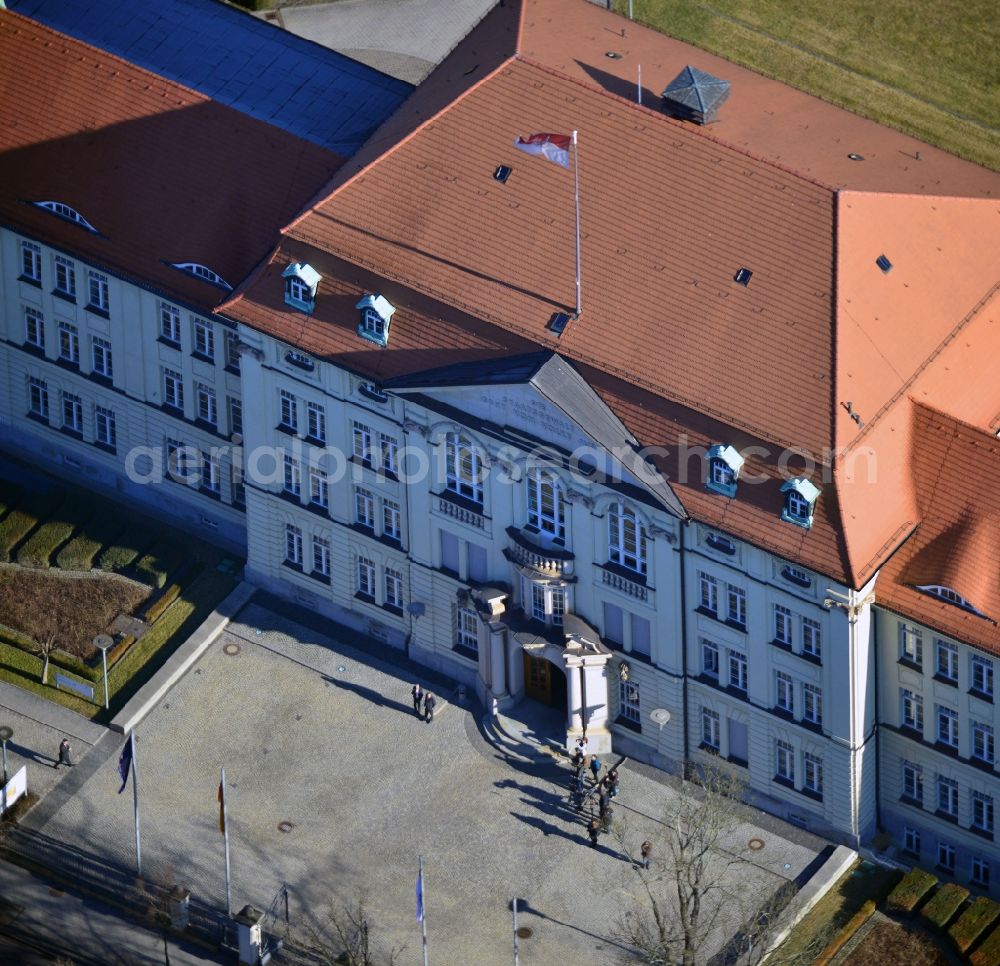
[203, 272]
[301, 283]
[64, 211]
[949, 596]
[800, 501]
[376, 315]
[724, 465]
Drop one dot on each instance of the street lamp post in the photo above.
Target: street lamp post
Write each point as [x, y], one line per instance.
[104, 642]
[5, 735]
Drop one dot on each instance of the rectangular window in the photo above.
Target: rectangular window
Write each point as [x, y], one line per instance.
[101, 351]
[65, 277]
[911, 840]
[232, 349]
[170, 324]
[211, 475]
[628, 701]
[980, 871]
[614, 624]
[946, 856]
[366, 577]
[390, 451]
[913, 783]
[784, 761]
[982, 742]
[538, 602]
[289, 409]
[361, 437]
[982, 675]
[737, 671]
[911, 710]
[206, 404]
[364, 507]
[34, 327]
[812, 699]
[479, 571]
[449, 552]
[737, 598]
[391, 526]
[239, 487]
[557, 599]
[463, 468]
[911, 645]
[812, 766]
[947, 726]
[982, 812]
[466, 629]
[204, 338]
[105, 431]
[72, 413]
[292, 476]
[947, 661]
[321, 556]
[97, 291]
[69, 343]
[784, 689]
[31, 262]
[38, 398]
[319, 488]
[782, 624]
[812, 637]
[293, 545]
[393, 588]
[173, 389]
[235, 407]
[316, 422]
[709, 593]
[947, 796]
[710, 658]
[641, 636]
[710, 729]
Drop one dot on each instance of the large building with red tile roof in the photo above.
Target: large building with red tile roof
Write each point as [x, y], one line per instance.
[697, 423]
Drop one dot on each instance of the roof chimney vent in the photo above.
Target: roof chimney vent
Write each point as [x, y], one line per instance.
[695, 96]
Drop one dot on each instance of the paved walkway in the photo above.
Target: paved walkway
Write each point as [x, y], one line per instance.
[335, 785]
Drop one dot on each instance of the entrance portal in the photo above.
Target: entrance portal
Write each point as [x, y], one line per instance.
[544, 682]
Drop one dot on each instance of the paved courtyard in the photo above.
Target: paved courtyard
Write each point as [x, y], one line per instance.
[312, 736]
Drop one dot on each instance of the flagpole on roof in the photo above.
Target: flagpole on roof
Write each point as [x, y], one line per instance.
[576, 170]
[135, 803]
[225, 833]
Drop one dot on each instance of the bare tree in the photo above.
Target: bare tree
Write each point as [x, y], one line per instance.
[343, 936]
[43, 646]
[694, 893]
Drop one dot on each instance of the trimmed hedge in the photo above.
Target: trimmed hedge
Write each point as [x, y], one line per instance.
[156, 609]
[989, 953]
[97, 533]
[913, 887]
[159, 564]
[37, 550]
[942, 908]
[20, 522]
[843, 936]
[121, 555]
[974, 922]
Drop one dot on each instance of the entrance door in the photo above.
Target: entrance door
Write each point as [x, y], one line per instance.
[537, 678]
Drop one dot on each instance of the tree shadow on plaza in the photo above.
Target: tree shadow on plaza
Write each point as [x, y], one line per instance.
[549, 802]
[371, 695]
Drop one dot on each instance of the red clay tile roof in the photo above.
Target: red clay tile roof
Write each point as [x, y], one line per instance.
[163, 173]
[669, 212]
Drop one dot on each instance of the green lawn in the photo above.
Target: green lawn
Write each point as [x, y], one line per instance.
[930, 69]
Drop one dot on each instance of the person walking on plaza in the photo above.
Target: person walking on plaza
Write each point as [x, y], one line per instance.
[645, 850]
[603, 802]
[593, 830]
[581, 746]
[578, 762]
[418, 697]
[595, 767]
[65, 754]
[429, 703]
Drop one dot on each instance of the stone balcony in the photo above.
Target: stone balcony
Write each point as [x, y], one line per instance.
[460, 510]
[631, 587]
[526, 551]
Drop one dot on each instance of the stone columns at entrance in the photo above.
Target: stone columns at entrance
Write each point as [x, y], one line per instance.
[586, 661]
[574, 700]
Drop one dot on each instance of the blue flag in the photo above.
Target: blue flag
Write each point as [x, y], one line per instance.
[125, 763]
[420, 896]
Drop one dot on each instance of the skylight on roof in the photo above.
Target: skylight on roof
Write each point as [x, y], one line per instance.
[203, 272]
[502, 173]
[64, 211]
[743, 276]
[884, 264]
[558, 323]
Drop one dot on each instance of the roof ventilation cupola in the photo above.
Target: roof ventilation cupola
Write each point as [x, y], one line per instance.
[301, 283]
[376, 315]
[695, 96]
[724, 465]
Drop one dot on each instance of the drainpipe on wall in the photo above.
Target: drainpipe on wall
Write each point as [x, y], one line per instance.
[875, 728]
[684, 651]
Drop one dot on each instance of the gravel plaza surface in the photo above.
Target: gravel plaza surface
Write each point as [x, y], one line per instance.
[314, 736]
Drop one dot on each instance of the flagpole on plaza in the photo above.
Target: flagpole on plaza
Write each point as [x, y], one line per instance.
[135, 803]
[225, 834]
[576, 176]
[420, 908]
[517, 939]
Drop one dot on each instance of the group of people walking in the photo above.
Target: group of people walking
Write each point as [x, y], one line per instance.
[424, 703]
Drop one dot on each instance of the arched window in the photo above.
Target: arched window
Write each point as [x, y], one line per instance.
[463, 468]
[626, 538]
[546, 507]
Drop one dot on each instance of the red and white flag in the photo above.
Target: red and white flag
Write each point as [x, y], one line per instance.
[555, 147]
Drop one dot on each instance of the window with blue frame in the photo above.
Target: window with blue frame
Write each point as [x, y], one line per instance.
[376, 316]
[301, 283]
[800, 501]
[724, 465]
